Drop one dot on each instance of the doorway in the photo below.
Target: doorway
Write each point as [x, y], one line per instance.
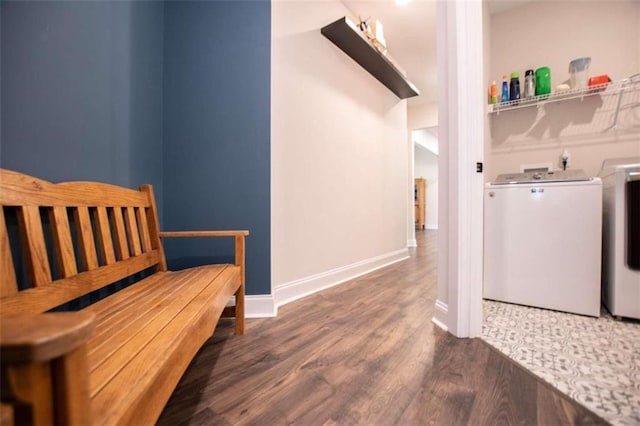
[425, 161]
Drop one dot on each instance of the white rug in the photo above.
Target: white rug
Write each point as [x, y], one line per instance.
[595, 361]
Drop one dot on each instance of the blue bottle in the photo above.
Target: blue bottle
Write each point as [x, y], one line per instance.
[505, 90]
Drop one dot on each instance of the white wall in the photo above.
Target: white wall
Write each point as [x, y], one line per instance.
[422, 115]
[426, 166]
[339, 158]
[608, 32]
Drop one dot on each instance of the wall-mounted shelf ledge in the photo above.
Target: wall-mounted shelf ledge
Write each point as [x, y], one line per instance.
[346, 35]
[604, 89]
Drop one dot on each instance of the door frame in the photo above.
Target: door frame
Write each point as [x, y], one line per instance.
[461, 132]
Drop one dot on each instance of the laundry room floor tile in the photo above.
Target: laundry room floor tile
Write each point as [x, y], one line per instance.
[595, 361]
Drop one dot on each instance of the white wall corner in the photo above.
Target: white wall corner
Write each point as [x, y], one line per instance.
[441, 314]
[412, 243]
[260, 306]
[294, 290]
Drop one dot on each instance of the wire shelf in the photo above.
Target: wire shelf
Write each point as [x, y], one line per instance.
[613, 88]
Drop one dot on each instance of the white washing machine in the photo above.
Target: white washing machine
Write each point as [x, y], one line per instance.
[542, 240]
[621, 236]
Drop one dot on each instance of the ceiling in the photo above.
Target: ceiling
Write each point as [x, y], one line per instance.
[410, 33]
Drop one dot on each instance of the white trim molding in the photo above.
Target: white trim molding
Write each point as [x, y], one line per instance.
[260, 306]
[440, 315]
[294, 290]
[266, 305]
[460, 62]
[412, 243]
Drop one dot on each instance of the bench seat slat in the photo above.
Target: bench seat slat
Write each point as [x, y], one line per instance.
[141, 387]
[109, 309]
[43, 298]
[153, 301]
[149, 322]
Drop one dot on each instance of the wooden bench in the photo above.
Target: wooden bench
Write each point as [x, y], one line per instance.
[118, 360]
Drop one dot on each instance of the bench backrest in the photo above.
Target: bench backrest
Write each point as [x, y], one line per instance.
[72, 238]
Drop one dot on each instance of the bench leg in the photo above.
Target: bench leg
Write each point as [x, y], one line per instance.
[28, 389]
[72, 395]
[239, 240]
[49, 392]
[239, 308]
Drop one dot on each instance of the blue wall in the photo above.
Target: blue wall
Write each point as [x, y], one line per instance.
[217, 130]
[82, 90]
[172, 93]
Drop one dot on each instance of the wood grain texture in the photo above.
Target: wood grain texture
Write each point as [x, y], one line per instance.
[8, 284]
[147, 333]
[71, 397]
[105, 241]
[240, 261]
[32, 338]
[153, 306]
[363, 353]
[189, 234]
[132, 385]
[34, 246]
[122, 249]
[132, 231]
[154, 225]
[29, 385]
[43, 298]
[144, 229]
[88, 256]
[18, 189]
[62, 243]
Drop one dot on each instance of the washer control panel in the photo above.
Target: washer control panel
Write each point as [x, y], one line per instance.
[535, 177]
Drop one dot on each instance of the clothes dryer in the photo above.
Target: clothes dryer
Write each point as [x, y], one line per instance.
[621, 236]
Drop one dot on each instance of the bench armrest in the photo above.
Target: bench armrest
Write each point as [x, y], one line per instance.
[238, 310]
[239, 237]
[45, 375]
[204, 234]
[32, 338]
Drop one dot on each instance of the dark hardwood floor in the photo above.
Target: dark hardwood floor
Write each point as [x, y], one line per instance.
[363, 353]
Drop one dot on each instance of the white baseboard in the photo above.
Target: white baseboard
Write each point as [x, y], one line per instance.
[260, 306]
[441, 313]
[434, 227]
[294, 290]
[412, 243]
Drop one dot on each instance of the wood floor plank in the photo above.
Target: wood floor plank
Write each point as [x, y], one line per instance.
[362, 353]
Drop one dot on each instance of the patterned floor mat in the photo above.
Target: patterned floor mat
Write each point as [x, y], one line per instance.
[595, 361]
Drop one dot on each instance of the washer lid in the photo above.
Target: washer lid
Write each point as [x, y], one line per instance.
[615, 165]
[547, 177]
